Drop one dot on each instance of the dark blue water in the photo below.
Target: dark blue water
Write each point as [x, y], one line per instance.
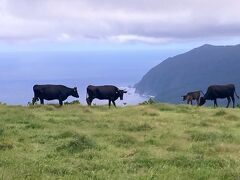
[19, 71]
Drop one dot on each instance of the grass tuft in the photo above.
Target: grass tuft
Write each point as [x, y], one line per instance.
[122, 140]
[34, 126]
[6, 146]
[66, 134]
[1, 131]
[135, 127]
[220, 113]
[78, 144]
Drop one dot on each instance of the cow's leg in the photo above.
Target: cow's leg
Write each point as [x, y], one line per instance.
[114, 103]
[191, 102]
[229, 100]
[109, 103]
[197, 100]
[233, 101]
[33, 100]
[60, 102]
[89, 101]
[42, 101]
[215, 103]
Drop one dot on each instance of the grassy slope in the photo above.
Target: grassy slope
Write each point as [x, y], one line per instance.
[141, 142]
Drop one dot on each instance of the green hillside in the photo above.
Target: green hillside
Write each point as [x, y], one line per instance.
[158, 141]
[191, 71]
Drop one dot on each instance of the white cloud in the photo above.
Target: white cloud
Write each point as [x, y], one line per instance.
[64, 37]
[135, 38]
[150, 21]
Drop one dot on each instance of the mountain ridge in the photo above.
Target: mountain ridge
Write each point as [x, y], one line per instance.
[193, 70]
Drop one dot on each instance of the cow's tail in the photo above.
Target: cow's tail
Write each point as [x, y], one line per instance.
[202, 93]
[236, 93]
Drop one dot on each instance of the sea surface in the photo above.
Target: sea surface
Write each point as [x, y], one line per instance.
[19, 71]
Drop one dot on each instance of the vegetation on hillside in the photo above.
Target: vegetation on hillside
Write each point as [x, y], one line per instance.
[194, 70]
[153, 141]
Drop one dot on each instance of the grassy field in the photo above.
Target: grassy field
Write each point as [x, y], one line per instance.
[140, 142]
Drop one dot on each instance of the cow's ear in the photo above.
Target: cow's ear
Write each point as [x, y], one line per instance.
[124, 91]
[75, 88]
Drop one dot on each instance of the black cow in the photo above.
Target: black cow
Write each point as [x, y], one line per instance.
[190, 96]
[109, 92]
[51, 92]
[219, 91]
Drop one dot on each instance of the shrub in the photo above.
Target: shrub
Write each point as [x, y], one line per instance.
[73, 102]
[1, 103]
[149, 101]
[78, 144]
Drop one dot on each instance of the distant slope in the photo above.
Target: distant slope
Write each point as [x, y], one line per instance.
[193, 70]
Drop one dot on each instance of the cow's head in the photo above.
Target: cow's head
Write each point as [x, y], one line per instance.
[184, 97]
[202, 101]
[75, 92]
[120, 93]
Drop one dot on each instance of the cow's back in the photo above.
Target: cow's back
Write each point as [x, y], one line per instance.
[49, 92]
[102, 92]
[194, 95]
[220, 91]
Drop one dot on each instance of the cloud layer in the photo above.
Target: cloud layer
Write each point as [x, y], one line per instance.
[151, 21]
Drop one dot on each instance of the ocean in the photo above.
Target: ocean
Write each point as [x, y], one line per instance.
[19, 71]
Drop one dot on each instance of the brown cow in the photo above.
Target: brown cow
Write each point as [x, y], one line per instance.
[190, 96]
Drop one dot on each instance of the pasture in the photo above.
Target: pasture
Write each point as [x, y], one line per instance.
[158, 141]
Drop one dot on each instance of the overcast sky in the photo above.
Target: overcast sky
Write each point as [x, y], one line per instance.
[134, 34]
[155, 22]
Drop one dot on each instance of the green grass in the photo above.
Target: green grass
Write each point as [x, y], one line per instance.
[157, 141]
